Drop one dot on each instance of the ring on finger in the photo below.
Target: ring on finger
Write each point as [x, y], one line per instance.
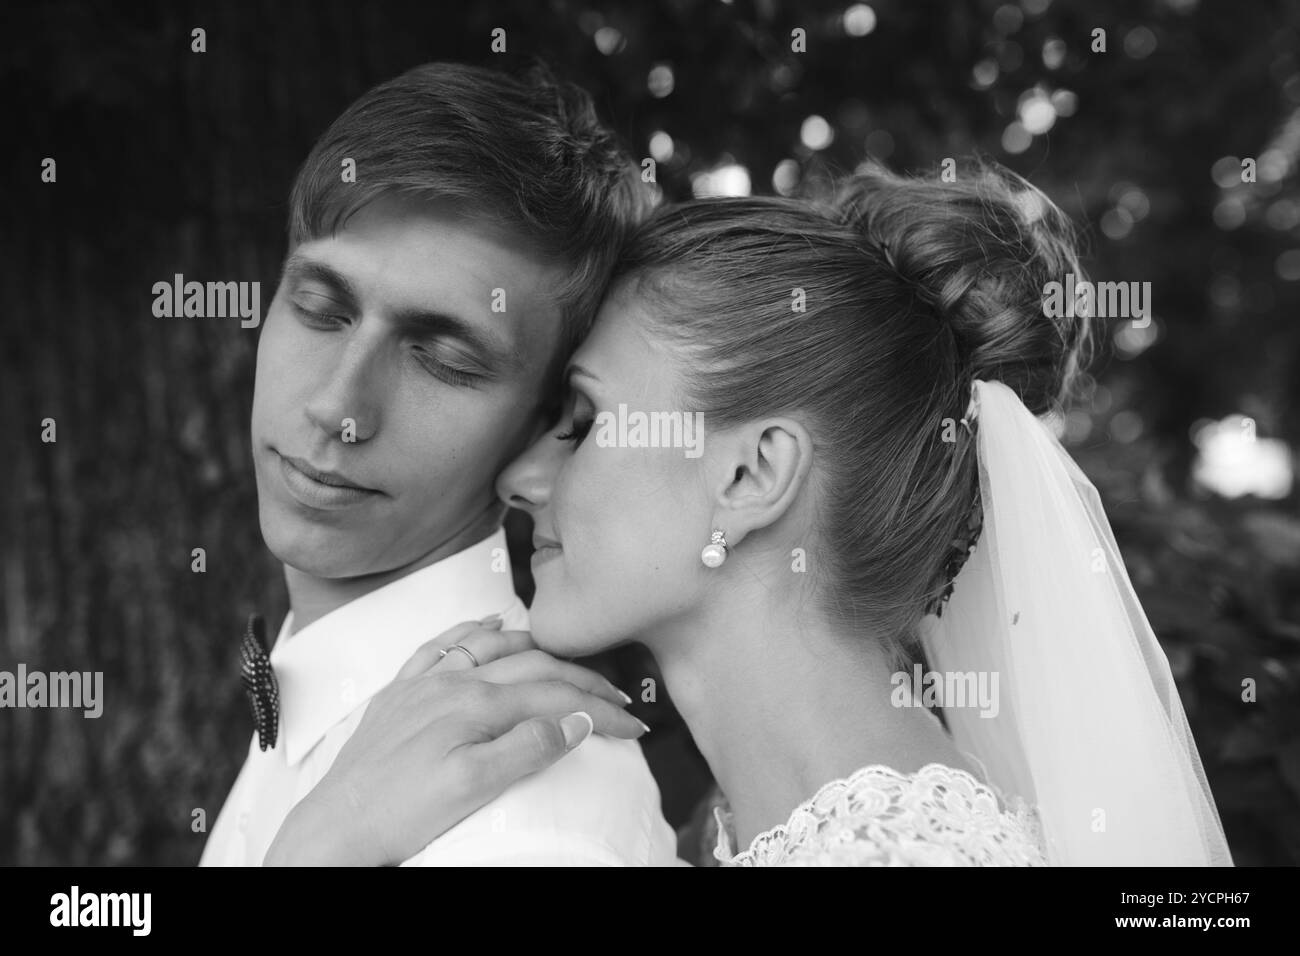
[473, 661]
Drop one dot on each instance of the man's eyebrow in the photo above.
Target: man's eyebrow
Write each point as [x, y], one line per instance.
[421, 321]
[297, 267]
[433, 323]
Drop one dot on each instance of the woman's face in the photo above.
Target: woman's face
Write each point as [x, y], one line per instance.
[618, 524]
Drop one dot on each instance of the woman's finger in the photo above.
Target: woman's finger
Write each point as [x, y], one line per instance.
[514, 703]
[538, 665]
[526, 748]
[483, 647]
[429, 654]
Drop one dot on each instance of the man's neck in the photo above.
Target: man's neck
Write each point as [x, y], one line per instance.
[312, 597]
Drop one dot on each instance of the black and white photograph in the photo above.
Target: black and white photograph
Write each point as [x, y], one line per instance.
[691, 433]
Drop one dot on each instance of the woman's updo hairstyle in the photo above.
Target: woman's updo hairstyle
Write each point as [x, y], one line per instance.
[979, 252]
[868, 316]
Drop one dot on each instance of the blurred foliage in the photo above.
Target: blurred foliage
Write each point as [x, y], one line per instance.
[171, 161]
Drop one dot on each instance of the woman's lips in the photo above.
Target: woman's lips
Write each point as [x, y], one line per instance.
[325, 491]
[544, 549]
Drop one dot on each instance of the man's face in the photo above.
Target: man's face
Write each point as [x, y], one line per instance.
[389, 393]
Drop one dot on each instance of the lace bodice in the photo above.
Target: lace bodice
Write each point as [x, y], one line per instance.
[937, 816]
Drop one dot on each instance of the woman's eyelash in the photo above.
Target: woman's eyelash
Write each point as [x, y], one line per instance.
[578, 431]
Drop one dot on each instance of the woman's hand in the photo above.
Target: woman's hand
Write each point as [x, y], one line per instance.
[444, 738]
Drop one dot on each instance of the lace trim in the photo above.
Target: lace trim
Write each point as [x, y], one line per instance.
[938, 816]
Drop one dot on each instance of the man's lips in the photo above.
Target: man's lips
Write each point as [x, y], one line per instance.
[323, 476]
[319, 489]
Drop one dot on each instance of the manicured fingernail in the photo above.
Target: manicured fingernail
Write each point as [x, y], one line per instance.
[626, 699]
[644, 725]
[576, 728]
[492, 620]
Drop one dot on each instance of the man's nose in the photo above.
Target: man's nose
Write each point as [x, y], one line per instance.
[349, 399]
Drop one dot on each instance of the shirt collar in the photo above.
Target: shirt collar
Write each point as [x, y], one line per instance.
[337, 663]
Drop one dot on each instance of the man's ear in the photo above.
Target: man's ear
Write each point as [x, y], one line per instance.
[762, 467]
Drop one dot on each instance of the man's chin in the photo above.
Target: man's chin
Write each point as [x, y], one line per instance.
[316, 565]
[317, 551]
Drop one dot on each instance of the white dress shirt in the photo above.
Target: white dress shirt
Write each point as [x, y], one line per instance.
[598, 805]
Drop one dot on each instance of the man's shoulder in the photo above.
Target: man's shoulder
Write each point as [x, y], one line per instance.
[597, 804]
[605, 778]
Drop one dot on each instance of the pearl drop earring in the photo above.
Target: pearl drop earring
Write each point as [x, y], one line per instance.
[715, 552]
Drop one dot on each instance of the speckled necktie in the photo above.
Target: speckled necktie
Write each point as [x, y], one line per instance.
[259, 681]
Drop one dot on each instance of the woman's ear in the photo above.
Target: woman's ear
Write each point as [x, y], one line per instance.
[767, 464]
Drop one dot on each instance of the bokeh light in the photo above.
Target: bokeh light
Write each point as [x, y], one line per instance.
[1288, 266]
[1131, 340]
[1116, 223]
[1229, 213]
[661, 146]
[727, 179]
[1065, 102]
[1140, 42]
[1037, 114]
[984, 74]
[660, 81]
[1053, 53]
[785, 178]
[1126, 426]
[1232, 460]
[816, 133]
[1226, 172]
[1015, 138]
[1007, 19]
[609, 40]
[859, 20]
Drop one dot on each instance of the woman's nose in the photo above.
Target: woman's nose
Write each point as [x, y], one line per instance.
[526, 482]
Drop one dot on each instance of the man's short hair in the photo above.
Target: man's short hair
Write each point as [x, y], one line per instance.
[526, 153]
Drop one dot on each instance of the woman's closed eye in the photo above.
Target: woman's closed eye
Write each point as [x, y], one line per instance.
[579, 413]
[576, 431]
